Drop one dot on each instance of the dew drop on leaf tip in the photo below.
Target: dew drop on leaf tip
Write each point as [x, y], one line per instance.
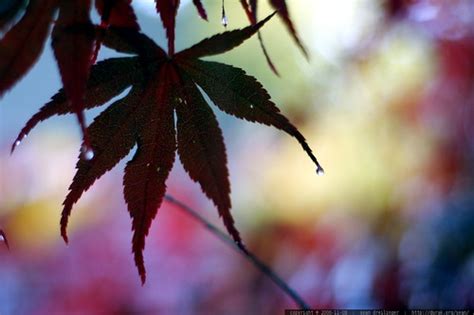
[87, 153]
[20, 139]
[320, 171]
[225, 21]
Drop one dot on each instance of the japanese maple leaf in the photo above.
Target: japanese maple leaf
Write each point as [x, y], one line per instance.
[73, 38]
[164, 85]
[169, 8]
[21, 46]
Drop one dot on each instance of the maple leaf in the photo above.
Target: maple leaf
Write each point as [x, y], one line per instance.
[73, 40]
[162, 85]
[21, 46]
[168, 10]
[108, 78]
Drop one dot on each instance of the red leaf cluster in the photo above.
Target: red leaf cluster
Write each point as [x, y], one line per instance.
[162, 85]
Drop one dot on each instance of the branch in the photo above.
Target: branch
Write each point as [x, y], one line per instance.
[254, 260]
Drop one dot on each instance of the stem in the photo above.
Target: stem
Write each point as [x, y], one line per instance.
[248, 255]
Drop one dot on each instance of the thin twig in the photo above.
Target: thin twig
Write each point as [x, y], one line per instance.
[254, 260]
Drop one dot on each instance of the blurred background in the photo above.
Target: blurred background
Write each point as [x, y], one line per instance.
[387, 103]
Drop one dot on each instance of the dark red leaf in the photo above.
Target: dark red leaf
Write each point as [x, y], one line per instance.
[242, 96]
[112, 136]
[146, 174]
[168, 10]
[72, 41]
[280, 5]
[108, 78]
[200, 9]
[253, 9]
[22, 45]
[202, 151]
[117, 13]
[223, 42]
[161, 85]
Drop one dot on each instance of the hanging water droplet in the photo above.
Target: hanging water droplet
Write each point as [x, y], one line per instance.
[225, 20]
[320, 171]
[87, 153]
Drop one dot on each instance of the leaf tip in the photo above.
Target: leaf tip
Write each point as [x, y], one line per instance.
[63, 224]
[320, 170]
[230, 226]
[242, 247]
[64, 235]
[269, 17]
[14, 145]
[140, 263]
[17, 142]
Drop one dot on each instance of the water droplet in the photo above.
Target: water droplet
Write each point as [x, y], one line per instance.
[17, 143]
[2, 238]
[225, 21]
[147, 164]
[158, 169]
[251, 106]
[87, 153]
[320, 171]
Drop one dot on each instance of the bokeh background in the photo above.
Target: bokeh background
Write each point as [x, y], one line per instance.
[386, 100]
